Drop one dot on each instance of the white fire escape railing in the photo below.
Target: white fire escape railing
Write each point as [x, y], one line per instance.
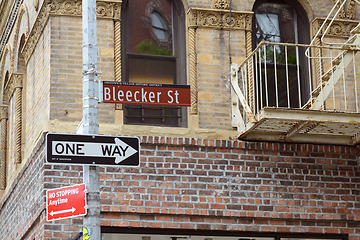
[284, 75]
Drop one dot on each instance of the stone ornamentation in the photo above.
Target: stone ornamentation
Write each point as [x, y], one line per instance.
[220, 19]
[15, 81]
[105, 9]
[339, 28]
[347, 12]
[221, 4]
[3, 144]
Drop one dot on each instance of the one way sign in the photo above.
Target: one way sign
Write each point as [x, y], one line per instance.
[92, 149]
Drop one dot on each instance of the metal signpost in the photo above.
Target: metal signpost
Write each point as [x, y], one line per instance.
[90, 114]
[65, 202]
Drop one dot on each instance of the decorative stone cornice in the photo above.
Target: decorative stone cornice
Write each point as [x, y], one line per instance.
[219, 19]
[15, 81]
[23, 10]
[340, 27]
[9, 10]
[221, 4]
[349, 12]
[104, 9]
[3, 111]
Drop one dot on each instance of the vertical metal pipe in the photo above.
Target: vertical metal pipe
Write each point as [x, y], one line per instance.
[260, 74]
[287, 77]
[90, 114]
[256, 91]
[332, 78]
[276, 80]
[298, 74]
[266, 81]
[355, 78]
[344, 87]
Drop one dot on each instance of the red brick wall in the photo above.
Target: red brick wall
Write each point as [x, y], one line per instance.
[235, 186]
[202, 185]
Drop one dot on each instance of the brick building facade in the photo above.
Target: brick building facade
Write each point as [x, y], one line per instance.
[196, 181]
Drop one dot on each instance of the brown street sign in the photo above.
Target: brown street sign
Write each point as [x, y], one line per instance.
[146, 94]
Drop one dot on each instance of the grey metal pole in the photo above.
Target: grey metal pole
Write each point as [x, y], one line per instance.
[90, 115]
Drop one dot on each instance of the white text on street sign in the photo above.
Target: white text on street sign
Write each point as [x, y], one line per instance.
[65, 202]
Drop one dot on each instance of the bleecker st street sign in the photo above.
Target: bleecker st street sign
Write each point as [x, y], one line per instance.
[65, 202]
[145, 93]
[92, 149]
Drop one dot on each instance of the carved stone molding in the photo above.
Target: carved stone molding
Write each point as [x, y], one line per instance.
[221, 4]
[4, 112]
[15, 81]
[9, 10]
[23, 10]
[219, 19]
[342, 14]
[192, 72]
[104, 9]
[3, 145]
[7, 51]
[340, 28]
[18, 124]
[348, 11]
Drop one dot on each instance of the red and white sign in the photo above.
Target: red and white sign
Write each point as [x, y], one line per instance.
[66, 202]
[146, 93]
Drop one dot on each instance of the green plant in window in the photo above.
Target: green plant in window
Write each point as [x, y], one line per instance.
[279, 53]
[148, 47]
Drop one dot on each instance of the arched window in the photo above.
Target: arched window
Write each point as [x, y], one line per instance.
[153, 51]
[283, 70]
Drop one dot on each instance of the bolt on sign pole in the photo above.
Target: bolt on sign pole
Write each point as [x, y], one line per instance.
[90, 116]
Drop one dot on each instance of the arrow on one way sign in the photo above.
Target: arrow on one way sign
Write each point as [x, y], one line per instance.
[90, 149]
[118, 150]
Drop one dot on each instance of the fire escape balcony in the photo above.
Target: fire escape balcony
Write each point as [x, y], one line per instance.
[298, 93]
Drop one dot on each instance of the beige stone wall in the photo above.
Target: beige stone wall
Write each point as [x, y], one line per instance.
[37, 91]
[66, 67]
[213, 66]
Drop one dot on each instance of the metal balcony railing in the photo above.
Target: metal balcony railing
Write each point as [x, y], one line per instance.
[305, 78]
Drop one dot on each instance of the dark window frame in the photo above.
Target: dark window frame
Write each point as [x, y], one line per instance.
[179, 57]
[303, 27]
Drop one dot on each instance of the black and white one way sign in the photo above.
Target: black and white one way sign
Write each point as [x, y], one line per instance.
[92, 149]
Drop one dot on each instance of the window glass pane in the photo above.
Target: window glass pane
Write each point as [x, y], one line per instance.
[276, 23]
[161, 34]
[268, 27]
[150, 70]
[157, 21]
[150, 27]
[152, 115]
